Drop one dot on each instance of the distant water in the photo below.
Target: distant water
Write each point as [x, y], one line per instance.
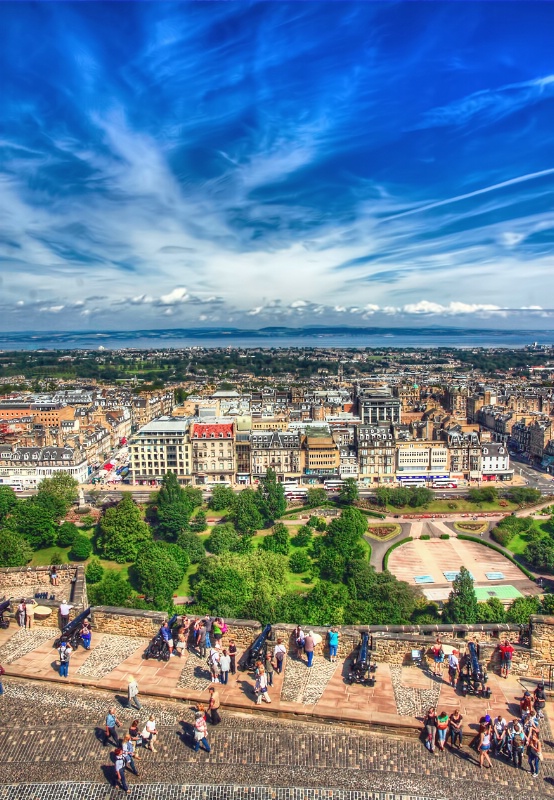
[271, 338]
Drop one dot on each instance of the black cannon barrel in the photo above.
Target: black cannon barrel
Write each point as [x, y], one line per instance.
[363, 655]
[474, 659]
[5, 606]
[255, 649]
[76, 623]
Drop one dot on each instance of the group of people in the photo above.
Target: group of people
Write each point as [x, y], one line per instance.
[126, 747]
[26, 613]
[495, 736]
[505, 649]
[65, 650]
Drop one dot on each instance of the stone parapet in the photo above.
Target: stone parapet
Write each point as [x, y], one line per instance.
[542, 636]
[18, 582]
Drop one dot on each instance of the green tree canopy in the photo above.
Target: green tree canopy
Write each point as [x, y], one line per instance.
[94, 571]
[541, 554]
[67, 533]
[521, 609]
[492, 610]
[272, 495]
[158, 573]
[222, 498]
[246, 514]
[122, 531]
[461, 606]
[34, 520]
[278, 541]
[349, 491]
[192, 545]
[378, 597]
[223, 539]
[112, 590]
[15, 550]
[173, 519]
[8, 501]
[81, 548]
[62, 487]
[316, 497]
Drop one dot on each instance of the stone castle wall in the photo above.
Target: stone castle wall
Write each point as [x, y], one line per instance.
[18, 582]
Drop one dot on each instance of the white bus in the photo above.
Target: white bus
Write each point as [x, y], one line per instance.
[413, 483]
[444, 483]
[332, 486]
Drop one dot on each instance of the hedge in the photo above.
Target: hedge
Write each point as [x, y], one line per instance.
[445, 536]
[393, 547]
[498, 550]
[425, 537]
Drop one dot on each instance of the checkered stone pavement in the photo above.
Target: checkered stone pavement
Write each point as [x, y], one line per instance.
[306, 685]
[195, 674]
[109, 653]
[411, 701]
[25, 641]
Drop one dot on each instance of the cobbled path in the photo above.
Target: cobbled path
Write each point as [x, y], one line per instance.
[195, 674]
[107, 655]
[303, 685]
[412, 702]
[25, 641]
[53, 736]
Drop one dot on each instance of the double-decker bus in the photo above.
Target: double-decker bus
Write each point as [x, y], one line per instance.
[444, 483]
[332, 486]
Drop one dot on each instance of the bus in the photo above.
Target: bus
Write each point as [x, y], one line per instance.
[296, 494]
[332, 486]
[413, 483]
[444, 483]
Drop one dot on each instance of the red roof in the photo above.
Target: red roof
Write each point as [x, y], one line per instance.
[221, 430]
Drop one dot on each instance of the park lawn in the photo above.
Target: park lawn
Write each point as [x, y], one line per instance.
[518, 544]
[184, 590]
[462, 507]
[43, 557]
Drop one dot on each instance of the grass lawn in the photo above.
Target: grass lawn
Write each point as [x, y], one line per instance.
[518, 544]
[462, 506]
[184, 589]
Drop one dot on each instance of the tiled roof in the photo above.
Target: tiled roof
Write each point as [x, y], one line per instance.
[222, 430]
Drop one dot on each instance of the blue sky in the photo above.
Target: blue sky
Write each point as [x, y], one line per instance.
[191, 164]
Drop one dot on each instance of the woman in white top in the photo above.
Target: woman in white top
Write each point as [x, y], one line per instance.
[261, 687]
[150, 733]
[224, 666]
[213, 662]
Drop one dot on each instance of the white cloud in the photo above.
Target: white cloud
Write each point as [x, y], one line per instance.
[451, 309]
[175, 297]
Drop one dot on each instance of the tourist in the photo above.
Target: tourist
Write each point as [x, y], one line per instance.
[333, 644]
[279, 654]
[224, 666]
[268, 666]
[517, 743]
[119, 768]
[112, 723]
[299, 637]
[202, 640]
[181, 643]
[30, 613]
[261, 687]
[456, 731]
[196, 633]
[65, 608]
[149, 733]
[525, 705]
[165, 633]
[21, 613]
[485, 744]
[499, 728]
[64, 651]
[2, 672]
[539, 699]
[86, 634]
[133, 693]
[200, 732]
[134, 734]
[453, 667]
[233, 656]
[213, 663]
[128, 747]
[54, 579]
[438, 657]
[506, 655]
[217, 633]
[430, 726]
[213, 706]
[443, 722]
[309, 647]
[209, 627]
[534, 752]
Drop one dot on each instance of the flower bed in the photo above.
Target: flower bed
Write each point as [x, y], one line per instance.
[471, 527]
[384, 532]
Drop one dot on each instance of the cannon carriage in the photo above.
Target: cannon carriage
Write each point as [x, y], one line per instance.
[473, 675]
[72, 631]
[362, 667]
[158, 647]
[5, 608]
[257, 650]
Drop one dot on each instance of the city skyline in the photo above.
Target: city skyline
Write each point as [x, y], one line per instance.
[211, 164]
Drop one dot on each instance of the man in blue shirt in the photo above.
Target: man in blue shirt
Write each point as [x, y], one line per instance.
[111, 724]
[165, 631]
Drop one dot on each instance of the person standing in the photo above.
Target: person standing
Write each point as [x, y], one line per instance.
[233, 656]
[54, 580]
[200, 732]
[261, 687]
[534, 752]
[279, 653]
[430, 725]
[506, 655]
[119, 768]
[165, 633]
[64, 659]
[213, 706]
[456, 730]
[21, 613]
[299, 635]
[485, 746]
[518, 744]
[443, 723]
[30, 613]
[112, 723]
[453, 667]
[2, 672]
[132, 693]
[224, 666]
[65, 608]
[309, 646]
[128, 747]
[150, 733]
[213, 663]
[202, 640]
[438, 657]
[86, 634]
[333, 644]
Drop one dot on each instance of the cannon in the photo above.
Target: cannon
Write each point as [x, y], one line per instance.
[473, 676]
[72, 631]
[362, 669]
[158, 647]
[257, 650]
[5, 608]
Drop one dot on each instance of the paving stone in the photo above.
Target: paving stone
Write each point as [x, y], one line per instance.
[25, 641]
[109, 653]
[303, 684]
[195, 674]
[412, 701]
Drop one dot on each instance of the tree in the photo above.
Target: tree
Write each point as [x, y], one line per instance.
[122, 531]
[94, 571]
[173, 519]
[61, 486]
[303, 537]
[316, 497]
[461, 606]
[171, 492]
[158, 573]
[299, 562]
[246, 514]
[15, 551]
[379, 598]
[383, 495]
[222, 498]
[67, 532]
[223, 539]
[486, 494]
[521, 609]
[81, 548]
[272, 495]
[400, 497]
[113, 590]
[33, 520]
[192, 546]
[326, 604]
[349, 491]
[8, 500]
[199, 522]
[540, 555]
[523, 495]
[278, 541]
[419, 496]
[492, 610]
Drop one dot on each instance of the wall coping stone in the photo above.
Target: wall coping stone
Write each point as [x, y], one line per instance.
[121, 611]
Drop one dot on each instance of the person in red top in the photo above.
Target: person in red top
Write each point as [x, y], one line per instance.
[506, 655]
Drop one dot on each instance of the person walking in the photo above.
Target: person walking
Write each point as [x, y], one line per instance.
[453, 667]
[333, 644]
[30, 613]
[261, 687]
[279, 653]
[132, 693]
[309, 646]
[268, 666]
[200, 733]
[119, 768]
[224, 666]
[128, 747]
[233, 656]
[518, 744]
[456, 730]
[485, 746]
[150, 733]
[112, 723]
[213, 706]
[534, 752]
[21, 613]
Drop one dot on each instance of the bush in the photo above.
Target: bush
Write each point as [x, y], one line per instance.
[321, 525]
[445, 536]
[299, 562]
[88, 521]
[81, 548]
[67, 533]
[502, 535]
[425, 537]
[198, 524]
[94, 571]
[56, 558]
[82, 510]
[312, 522]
